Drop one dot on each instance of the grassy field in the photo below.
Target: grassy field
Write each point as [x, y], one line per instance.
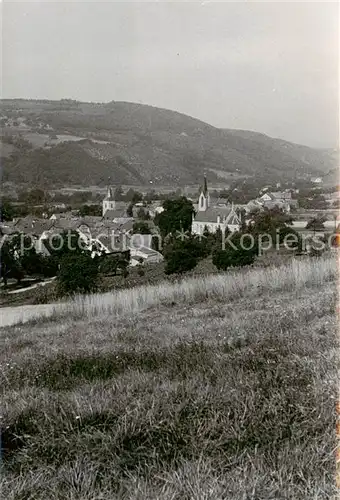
[153, 274]
[221, 387]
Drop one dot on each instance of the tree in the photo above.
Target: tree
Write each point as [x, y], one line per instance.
[49, 265]
[143, 214]
[268, 221]
[316, 224]
[312, 200]
[80, 197]
[35, 196]
[137, 197]
[7, 211]
[141, 227]
[19, 258]
[118, 194]
[291, 237]
[133, 196]
[94, 210]
[10, 265]
[129, 210]
[238, 253]
[177, 216]
[150, 196]
[115, 264]
[180, 257]
[78, 273]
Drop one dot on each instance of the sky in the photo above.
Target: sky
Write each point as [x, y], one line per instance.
[271, 67]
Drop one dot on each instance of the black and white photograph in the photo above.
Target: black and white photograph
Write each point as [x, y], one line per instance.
[169, 250]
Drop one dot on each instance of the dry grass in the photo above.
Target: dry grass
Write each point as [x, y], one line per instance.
[217, 388]
[295, 275]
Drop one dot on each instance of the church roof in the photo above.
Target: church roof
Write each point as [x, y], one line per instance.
[209, 215]
[227, 214]
[114, 214]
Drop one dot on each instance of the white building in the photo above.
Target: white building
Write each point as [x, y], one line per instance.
[222, 217]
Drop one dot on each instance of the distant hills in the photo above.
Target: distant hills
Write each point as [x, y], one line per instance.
[58, 143]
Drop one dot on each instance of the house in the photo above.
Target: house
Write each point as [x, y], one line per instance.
[213, 218]
[155, 208]
[272, 199]
[139, 246]
[72, 214]
[147, 254]
[280, 196]
[316, 180]
[254, 205]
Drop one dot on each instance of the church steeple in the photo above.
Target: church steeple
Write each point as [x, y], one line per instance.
[109, 202]
[204, 198]
[205, 185]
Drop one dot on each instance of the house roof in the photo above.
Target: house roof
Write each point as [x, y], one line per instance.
[274, 203]
[114, 243]
[145, 251]
[282, 195]
[34, 226]
[66, 224]
[114, 214]
[148, 251]
[91, 219]
[7, 228]
[127, 225]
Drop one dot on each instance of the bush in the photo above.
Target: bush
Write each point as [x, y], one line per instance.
[115, 264]
[77, 274]
[234, 257]
[140, 271]
[45, 294]
[180, 257]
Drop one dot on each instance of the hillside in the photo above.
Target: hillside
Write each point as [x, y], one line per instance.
[216, 388]
[135, 144]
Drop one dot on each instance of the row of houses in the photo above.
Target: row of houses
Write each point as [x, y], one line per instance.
[271, 199]
[110, 233]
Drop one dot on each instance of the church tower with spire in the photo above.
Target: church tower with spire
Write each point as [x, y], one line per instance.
[204, 197]
[109, 202]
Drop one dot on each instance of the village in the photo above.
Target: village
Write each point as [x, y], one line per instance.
[131, 228]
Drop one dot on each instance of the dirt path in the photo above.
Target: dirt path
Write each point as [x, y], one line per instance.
[36, 285]
[12, 315]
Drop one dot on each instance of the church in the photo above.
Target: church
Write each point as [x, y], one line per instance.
[213, 217]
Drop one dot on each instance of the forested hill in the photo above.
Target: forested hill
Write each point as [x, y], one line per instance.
[69, 142]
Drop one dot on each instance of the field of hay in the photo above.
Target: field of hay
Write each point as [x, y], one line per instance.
[222, 387]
